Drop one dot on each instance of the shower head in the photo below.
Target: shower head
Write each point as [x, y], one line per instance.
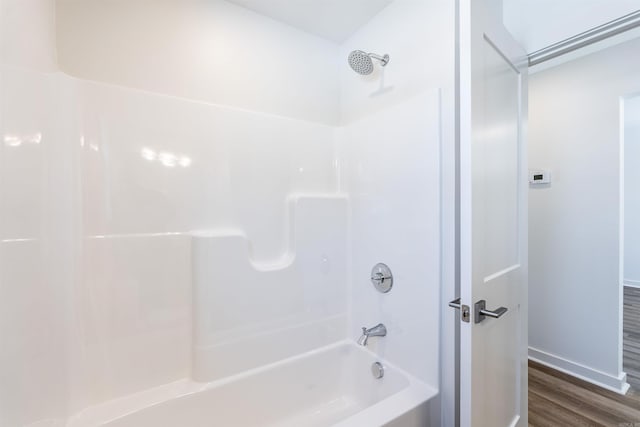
[361, 62]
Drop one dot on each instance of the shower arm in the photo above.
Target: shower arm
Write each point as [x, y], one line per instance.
[384, 60]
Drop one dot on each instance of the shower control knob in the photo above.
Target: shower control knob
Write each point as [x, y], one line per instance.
[382, 278]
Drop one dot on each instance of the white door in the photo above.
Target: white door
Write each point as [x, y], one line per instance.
[493, 220]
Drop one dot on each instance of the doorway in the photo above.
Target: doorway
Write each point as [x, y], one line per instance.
[630, 236]
[575, 217]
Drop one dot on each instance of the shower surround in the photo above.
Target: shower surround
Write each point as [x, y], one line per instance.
[173, 249]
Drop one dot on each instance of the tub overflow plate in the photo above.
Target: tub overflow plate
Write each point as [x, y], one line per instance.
[377, 370]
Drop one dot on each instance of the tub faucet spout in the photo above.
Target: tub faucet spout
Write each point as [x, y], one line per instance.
[377, 331]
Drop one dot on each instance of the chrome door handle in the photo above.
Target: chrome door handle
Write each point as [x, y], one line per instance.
[480, 311]
[455, 303]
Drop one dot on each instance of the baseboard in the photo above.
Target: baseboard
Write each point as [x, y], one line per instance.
[599, 378]
[631, 283]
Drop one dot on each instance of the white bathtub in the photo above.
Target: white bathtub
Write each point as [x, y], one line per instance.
[331, 386]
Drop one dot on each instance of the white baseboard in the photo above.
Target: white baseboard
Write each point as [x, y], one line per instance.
[631, 283]
[599, 378]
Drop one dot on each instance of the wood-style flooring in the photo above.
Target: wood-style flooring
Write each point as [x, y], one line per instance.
[557, 399]
[631, 336]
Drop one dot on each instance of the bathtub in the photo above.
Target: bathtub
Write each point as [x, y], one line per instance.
[330, 386]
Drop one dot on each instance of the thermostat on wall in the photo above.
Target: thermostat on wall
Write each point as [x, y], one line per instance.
[538, 176]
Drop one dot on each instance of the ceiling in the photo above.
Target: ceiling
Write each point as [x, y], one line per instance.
[335, 20]
[534, 23]
[539, 23]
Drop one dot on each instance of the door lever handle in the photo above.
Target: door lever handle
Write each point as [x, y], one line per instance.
[455, 303]
[480, 311]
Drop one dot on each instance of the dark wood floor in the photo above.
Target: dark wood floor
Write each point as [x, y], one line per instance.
[557, 399]
[631, 334]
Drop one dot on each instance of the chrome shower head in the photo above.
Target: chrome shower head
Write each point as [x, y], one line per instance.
[361, 62]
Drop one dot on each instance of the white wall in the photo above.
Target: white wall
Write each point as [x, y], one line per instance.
[393, 164]
[36, 244]
[419, 59]
[239, 163]
[632, 191]
[28, 34]
[538, 24]
[35, 280]
[390, 141]
[212, 51]
[574, 253]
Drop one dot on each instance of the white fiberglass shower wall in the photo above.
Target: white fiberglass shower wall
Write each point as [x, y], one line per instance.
[195, 190]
